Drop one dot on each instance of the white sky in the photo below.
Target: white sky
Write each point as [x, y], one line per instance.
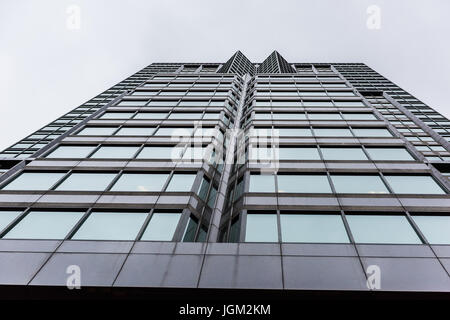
[47, 69]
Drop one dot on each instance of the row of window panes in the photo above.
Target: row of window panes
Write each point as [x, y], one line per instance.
[98, 226]
[303, 103]
[319, 132]
[149, 131]
[344, 183]
[161, 115]
[330, 153]
[172, 103]
[313, 116]
[96, 181]
[329, 228]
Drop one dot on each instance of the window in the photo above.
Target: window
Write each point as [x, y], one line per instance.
[160, 153]
[359, 116]
[71, 152]
[135, 131]
[185, 115]
[286, 116]
[174, 131]
[111, 226]
[292, 132]
[262, 183]
[389, 154]
[361, 132]
[44, 225]
[97, 131]
[414, 184]
[343, 154]
[436, 229]
[140, 182]
[332, 132]
[319, 228]
[303, 183]
[324, 116]
[381, 229]
[86, 182]
[117, 115]
[115, 152]
[358, 184]
[261, 228]
[148, 115]
[298, 154]
[34, 181]
[161, 226]
[6, 217]
[181, 182]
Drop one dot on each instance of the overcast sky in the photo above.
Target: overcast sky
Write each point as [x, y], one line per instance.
[49, 66]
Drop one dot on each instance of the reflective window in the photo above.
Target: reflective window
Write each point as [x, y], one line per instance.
[389, 154]
[140, 182]
[161, 226]
[324, 116]
[262, 183]
[381, 229]
[358, 184]
[436, 229]
[71, 152]
[332, 132]
[111, 226]
[115, 152]
[292, 132]
[261, 228]
[181, 182]
[135, 131]
[6, 217]
[117, 115]
[150, 115]
[288, 116]
[359, 116]
[317, 228]
[298, 154]
[44, 225]
[185, 115]
[34, 181]
[160, 153]
[305, 183]
[174, 132]
[343, 154]
[97, 131]
[414, 184]
[86, 182]
[367, 132]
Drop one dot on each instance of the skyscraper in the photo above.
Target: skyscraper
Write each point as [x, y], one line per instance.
[290, 177]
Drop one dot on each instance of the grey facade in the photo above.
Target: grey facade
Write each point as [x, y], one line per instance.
[289, 177]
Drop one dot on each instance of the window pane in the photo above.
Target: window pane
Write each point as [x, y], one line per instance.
[181, 182]
[174, 132]
[371, 132]
[185, 115]
[111, 226]
[381, 229]
[87, 182]
[117, 115]
[262, 183]
[71, 152]
[34, 181]
[298, 154]
[303, 183]
[292, 132]
[332, 132]
[97, 131]
[359, 116]
[414, 184]
[115, 152]
[389, 154]
[261, 228]
[288, 116]
[140, 182]
[435, 228]
[173, 153]
[343, 154]
[324, 116]
[6, 217]
[148, 115]
[358, 184]
[161, 227]
[313, 228]
[132, 131]
[44, 225]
